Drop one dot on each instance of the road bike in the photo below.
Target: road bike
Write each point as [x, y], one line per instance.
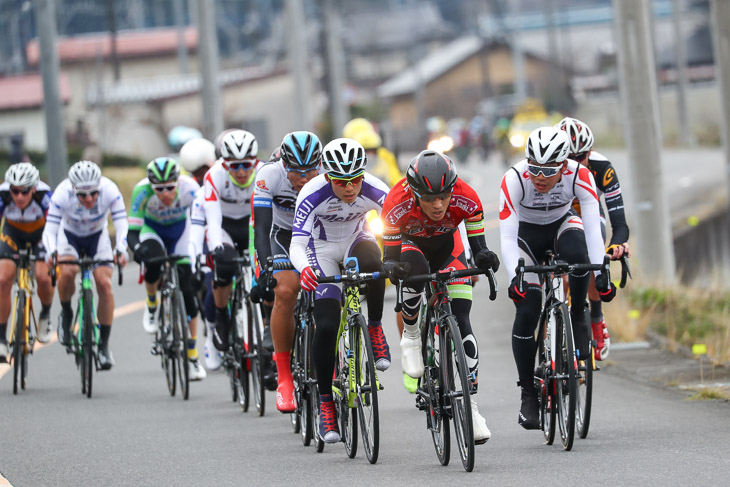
[171, 337]
[557, 375]
[22, 334]
[305, 420]
[444, 391]
[85, 334]
[355, 385]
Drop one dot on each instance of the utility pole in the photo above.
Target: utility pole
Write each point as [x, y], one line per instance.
[178, 9]
[336, 66]
[680, 60]
[638, 87]
[297, 51]
[720, 23]
[111, 15]
[208, 55]
[56, 152]
[518, 55]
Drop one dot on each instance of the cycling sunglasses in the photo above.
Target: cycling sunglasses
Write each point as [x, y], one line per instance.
[238, 165]
[23, 191]
[547, 171]
[86, 194]
[430, 198]
[344, 182]
[164, 187]
[303, 172]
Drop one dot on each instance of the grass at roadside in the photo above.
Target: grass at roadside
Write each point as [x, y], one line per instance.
[126, 178]
[684, 315]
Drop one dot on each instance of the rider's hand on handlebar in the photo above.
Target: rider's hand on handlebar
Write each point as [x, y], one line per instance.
[396, 270]
[605, 287]
[616, 251]
[214, 257]
[486, 260]
[513, 291]
[120, 258]
[308, 279]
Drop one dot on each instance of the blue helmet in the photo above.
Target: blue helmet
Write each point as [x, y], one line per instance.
[301, 149]
[181, 134]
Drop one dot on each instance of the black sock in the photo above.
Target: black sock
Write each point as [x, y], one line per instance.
[596, 311]
[104, 330]
[66, 307]
[46, 309]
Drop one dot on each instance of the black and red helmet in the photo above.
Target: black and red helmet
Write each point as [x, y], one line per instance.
[431, 172]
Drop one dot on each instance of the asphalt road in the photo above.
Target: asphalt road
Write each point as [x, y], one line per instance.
[133, 433]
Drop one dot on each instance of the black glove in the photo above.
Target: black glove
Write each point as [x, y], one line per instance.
[605, 287]
[214, 256]
[513, 291]
[396, 270]
[266, 284]
[486, 259]
[139, 254]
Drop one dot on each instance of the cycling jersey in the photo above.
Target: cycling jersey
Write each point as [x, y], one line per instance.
[320, 215]
[66, 212]
[274, 190]
[32, 218]
[225, 198]
[607, 184]
[520, 202]
[403, 217]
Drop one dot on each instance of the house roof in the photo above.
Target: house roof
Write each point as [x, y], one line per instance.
[130, 44]
[158, 89]
[431, 66]
[26, 91]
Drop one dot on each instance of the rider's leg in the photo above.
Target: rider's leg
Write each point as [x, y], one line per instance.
[152, 248]
[282, 333]
[225, 270]
[327, 319]
[66, 288]
[43, 283]
[7, 277]
[410, 344]
[571, 247]
[185, 273]
[104, 313]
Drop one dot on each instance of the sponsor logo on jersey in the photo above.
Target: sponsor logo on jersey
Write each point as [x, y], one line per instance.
[343, 218]
[608, 177]
[261, 183]
[398, 212]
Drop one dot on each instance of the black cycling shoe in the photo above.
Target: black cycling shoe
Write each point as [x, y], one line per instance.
[106, 359]
[221, 330]
[268, 342]
[529, 417]
[64, 327]
[270, 380]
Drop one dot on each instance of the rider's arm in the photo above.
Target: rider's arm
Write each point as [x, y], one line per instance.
[615, 206]
[213, 214]
[197, 226]
[304, 217]
[119, 219]
[585, 190]
[391, 216]
[510, 194]
[263, 214]
[140, 195]
[54, 216]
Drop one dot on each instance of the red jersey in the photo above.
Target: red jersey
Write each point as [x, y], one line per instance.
[401, 215]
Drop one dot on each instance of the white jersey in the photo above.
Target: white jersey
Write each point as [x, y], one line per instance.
[320, 215]
[519, 202]
[68, 214]
[224, 198]
[197, 219]
[274, 190]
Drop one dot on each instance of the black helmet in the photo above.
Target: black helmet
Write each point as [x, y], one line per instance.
[431, 172]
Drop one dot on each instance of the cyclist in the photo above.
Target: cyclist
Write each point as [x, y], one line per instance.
[24, 201]
[421, 216]
[329, 225]
[159, 224]
[383, 163]
[535, 202]
[179, 136]
[228, 189]
[80, 207]
[277, 185]
[604, 174]
[196, 157]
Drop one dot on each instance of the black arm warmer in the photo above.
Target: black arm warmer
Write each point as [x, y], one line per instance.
[262, 221]
[477, 243]
[133, 239]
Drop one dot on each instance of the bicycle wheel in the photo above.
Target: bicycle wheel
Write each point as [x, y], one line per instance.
[180, 322]
[430, 390]
[244, 397]
[565, 369]
[18, 341]
[584, 397]
[257, 369]
[297, 354]
[457, 392]
[304, 397]
[544, 385]
[87, 343]
[238, 321]
[366, 382]
[166, 339]
[318, 440]
[346, 416]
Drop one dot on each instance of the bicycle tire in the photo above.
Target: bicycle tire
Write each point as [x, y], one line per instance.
[305, 398]
[297, 354]
[584, 397]
[566, 377]
[244, 398]
[453, 362]
[544, 384]
[18, 340]
[238, 322]
[181, 323]
[318, 440]
[366, 381]
[346, 416]
[257, 369]
[166, 338]
[87, 343]
[436, 419]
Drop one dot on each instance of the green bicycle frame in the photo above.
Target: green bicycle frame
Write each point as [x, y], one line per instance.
[86, 286]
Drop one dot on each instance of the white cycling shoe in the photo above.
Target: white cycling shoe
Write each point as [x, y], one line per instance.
[479, 424]
[197, 372]
[149, 321]
[411, 358]
[45, 329]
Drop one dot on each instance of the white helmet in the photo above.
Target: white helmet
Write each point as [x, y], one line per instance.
[580, 135]
[237, 145]
[344, 157]
[546, 145]
[22, 175]
[85, 175]
[197, 153]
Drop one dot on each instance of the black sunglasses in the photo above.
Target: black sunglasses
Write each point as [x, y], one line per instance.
[17, 191]
[81, 194]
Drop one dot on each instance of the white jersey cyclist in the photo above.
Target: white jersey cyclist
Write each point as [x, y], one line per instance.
[225, 200]
[521, 202]
[274, 190]
[76, 222]
[323, 217]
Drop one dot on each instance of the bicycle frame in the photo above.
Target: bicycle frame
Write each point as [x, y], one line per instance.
[22, 339]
